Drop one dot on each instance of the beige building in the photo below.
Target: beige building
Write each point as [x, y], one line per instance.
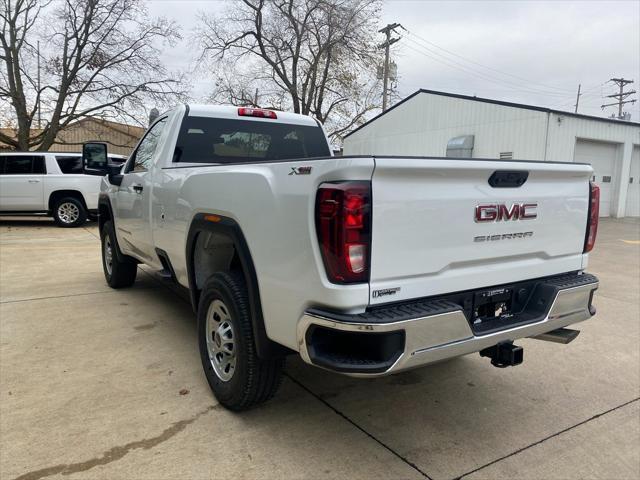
[120, 137]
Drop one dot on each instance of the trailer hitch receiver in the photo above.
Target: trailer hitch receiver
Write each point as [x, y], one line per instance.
[504, 354]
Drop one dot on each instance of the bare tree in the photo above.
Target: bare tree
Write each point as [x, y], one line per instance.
[316, 57]
[99, 58]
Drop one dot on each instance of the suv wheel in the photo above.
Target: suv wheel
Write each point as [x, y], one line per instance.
[118, 273]
[69, 212]
[237, 376]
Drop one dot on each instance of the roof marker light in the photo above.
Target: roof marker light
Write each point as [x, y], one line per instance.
[257, 112]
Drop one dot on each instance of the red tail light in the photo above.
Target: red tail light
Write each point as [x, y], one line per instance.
[592, 219]
[256, 112]
[343, 224]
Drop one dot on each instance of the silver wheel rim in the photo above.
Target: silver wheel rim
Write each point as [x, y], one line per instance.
[68, 212]
[221, 345]
[108, 254]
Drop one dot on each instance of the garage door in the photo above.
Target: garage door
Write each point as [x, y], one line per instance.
[602, 157]
[633, 194]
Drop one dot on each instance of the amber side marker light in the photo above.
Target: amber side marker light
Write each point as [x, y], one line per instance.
[212, 218]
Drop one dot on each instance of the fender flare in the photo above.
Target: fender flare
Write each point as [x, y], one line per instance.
[103, 201]
[265, 347]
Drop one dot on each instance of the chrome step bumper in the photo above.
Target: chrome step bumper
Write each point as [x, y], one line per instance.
[438, 330]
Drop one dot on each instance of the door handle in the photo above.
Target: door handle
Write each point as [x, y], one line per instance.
[137, 188]
[34, 181]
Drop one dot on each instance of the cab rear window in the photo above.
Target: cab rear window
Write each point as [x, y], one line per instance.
[219, 140]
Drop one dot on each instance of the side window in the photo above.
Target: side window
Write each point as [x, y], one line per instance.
[69, 164]
[38, 165]
[143, 155]
[117, 160]
[22, 165]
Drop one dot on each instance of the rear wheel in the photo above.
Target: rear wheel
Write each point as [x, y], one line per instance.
[69, 212]
[118, 273]
[237, 376]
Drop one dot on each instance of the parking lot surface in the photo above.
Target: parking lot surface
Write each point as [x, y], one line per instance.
[98, 383]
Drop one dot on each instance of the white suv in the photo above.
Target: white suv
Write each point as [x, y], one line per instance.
[51, 184]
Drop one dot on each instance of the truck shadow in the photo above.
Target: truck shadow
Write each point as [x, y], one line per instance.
[26, 222]
[9, 221]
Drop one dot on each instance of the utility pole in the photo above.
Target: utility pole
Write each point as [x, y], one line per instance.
[39, 114]
[578, 97]
[386, 44]
[621, 82]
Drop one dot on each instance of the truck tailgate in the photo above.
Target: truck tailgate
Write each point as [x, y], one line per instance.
[426, 240]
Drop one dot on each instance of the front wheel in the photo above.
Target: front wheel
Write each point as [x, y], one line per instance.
[69, 212]
[237, 376]
[118, 273]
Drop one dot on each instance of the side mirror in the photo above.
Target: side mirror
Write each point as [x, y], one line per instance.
[94, 159]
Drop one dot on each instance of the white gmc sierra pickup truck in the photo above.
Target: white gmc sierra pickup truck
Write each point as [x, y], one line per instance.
[363, 265]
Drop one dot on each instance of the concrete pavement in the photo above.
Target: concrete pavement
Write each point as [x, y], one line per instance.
[97, 383]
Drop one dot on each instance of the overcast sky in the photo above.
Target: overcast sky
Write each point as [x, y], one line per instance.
[534, 52]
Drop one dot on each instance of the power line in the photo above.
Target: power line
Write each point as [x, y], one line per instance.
[423, 47]
[521, 79]
[585, 94]
[476, 73]
[463, 68]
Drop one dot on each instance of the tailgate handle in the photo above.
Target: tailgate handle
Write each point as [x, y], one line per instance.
[508, 178]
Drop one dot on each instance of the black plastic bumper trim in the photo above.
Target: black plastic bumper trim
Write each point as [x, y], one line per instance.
[537, 304]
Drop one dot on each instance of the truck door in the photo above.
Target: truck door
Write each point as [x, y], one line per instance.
[133, 198]
[21, 183]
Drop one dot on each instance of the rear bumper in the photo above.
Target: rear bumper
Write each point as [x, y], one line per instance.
[392, 339]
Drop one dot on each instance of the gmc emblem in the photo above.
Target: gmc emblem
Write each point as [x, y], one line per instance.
[499, 212]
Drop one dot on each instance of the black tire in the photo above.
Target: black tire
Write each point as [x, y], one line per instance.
[254, 380]
[118, 273]
[69, 212]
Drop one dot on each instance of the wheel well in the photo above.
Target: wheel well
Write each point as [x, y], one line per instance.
[218, 245]
[213, 252]
[58, 194]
